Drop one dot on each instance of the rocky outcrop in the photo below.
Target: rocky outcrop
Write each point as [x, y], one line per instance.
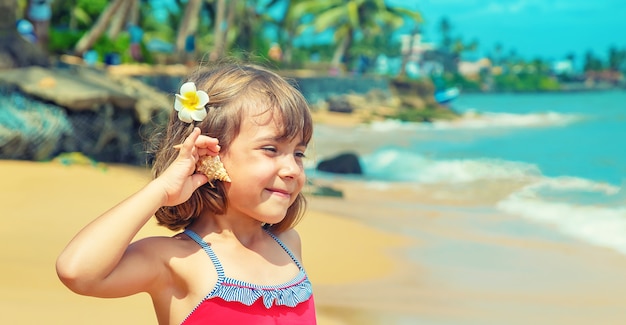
[345, 163]
[48, 111]
[410, 100]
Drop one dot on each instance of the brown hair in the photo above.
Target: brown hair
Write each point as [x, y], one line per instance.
[232, 89]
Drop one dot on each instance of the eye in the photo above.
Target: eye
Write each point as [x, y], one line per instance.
[269, 149]
[300, 154]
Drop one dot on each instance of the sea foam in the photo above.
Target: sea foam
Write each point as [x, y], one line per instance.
[580, 208]
[473, 120]
[398, 164]
[596, 222]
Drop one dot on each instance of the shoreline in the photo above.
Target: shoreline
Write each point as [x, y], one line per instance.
[470, 264]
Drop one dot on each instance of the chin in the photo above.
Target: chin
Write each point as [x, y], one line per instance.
[273, 219]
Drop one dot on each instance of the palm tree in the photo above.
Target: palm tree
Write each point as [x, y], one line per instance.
[444, 28]
[287, 26]
[98, 29]
[15, 51]
[497, 60]
[219, 30]
[188, 26]
[125, 15]
[39, 12]
[238, 24]
[74, 15]
[349, 18]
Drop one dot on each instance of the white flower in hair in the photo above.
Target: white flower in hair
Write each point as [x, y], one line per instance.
[190, 103]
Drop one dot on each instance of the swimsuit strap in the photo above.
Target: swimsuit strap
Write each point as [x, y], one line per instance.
[209, 251]
[280, 242]
[289, 294]
[216, 261]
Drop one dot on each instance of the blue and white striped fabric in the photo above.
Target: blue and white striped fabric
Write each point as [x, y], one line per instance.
[289, 294]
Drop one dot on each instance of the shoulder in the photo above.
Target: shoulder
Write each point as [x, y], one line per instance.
[292, 240]
[183, 259]
[165, 251]
[156, 252]
[188, 274]
[156, 246]
[164, 247]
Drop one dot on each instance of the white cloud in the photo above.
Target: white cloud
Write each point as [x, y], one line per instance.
[547, 28]
[544, 6]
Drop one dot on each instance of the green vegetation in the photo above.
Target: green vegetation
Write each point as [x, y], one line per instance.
[362, 30]
[429, 114]
[526, 82]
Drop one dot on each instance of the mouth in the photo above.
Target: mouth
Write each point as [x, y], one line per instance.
[279, 192]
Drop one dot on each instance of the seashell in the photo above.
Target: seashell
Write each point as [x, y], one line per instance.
[213, 168]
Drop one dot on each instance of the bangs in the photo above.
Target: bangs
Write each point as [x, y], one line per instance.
[295, 118]
[288, 107]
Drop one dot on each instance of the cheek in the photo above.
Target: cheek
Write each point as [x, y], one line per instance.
[301, 179]
[231, 166]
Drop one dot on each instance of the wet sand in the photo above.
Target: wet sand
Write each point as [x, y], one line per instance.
[469, 264]
[402, 255]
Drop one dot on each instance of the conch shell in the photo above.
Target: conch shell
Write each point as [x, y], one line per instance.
[213, 168]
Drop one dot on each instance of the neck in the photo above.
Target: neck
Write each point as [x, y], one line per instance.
[246, 230]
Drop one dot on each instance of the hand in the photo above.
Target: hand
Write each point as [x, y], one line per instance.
[179, 180]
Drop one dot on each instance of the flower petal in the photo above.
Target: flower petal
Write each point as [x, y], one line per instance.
[190, 103]
[184, 116]
[203, 98]
[178, 105]
[187, 87]
[198, 114]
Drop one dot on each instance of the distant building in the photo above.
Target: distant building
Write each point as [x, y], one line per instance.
[413, 46]
[563, 67]
[445, 61]
[473, 69]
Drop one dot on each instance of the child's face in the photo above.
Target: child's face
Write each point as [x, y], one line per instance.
[267, 173]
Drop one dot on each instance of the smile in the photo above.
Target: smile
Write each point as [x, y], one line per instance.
[279, 193]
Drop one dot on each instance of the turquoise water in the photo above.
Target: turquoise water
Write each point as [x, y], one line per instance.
[568, 148]
[579, 135]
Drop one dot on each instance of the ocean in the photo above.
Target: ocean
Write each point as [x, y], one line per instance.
[564, 153]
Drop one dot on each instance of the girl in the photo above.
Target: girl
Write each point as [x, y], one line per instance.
[238, 259]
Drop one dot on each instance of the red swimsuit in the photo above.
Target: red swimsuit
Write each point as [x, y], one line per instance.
[236, 302]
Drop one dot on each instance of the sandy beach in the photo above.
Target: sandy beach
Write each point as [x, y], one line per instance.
[372, 259]
[45, 204]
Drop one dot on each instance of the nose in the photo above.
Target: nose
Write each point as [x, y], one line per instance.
[290, 167]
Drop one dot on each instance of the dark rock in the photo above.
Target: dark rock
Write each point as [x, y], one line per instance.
[327, 191]
[30, 129]
[339, 104]
[45, 112]
[345, 163]
[320, 88]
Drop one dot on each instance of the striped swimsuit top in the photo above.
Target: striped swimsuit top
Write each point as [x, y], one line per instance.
[237, 302]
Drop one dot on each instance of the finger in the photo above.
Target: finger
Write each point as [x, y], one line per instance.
[189, 143]
[207, 142]
[198, 180]
[207, 152]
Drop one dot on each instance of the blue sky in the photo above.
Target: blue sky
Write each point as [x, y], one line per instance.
[546, 28]
[549, 29]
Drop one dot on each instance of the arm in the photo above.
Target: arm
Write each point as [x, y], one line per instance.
[99, 260]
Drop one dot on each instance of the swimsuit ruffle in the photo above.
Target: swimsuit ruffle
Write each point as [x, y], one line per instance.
[288, 294]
